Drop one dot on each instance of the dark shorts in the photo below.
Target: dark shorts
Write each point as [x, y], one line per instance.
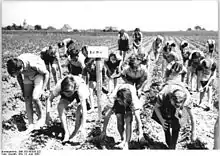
[185, 59]
[108, 74]
[156, 51]
[123, 46]
[73, 97]
[92, 78]
[133, 80]
[203, 83]
[75, 70]
[119, 109]
[51, 61]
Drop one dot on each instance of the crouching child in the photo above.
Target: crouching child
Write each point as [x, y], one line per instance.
[32, 76]
[125, 103]
[70, 88]
[168, 111]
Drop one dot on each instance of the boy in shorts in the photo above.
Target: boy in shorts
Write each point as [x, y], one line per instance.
[32, 76]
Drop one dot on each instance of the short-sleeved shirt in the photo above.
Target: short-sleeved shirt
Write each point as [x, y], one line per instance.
[123, 37]
[169, 88]
[167, 109]
[191, 61]
[136, 103]
[205, 74]
[82, 91]
[135, 77]
[33, 65]
[66, 41]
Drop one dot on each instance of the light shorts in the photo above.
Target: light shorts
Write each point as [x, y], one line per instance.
[37, 83]
[37, 80]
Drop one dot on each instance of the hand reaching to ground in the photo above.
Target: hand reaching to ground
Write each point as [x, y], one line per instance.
[193, 136]
[164, 124]
[102, 135]
[141, 137]
[83, 134]
[48, 119]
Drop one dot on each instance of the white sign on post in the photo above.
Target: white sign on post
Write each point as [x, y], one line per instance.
[97, 51]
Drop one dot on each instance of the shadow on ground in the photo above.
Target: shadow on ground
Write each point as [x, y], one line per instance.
[15, 122]
[54, 130]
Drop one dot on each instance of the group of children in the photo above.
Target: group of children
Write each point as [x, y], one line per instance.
[33, 74]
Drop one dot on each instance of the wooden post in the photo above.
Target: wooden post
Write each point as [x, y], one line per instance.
[99, 86]
[98, 52]
[216, 134]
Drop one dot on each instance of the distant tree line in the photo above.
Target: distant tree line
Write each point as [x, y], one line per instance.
[110, 29]
[197, 27]
[13, 27]
[65, 27]
[20, 27]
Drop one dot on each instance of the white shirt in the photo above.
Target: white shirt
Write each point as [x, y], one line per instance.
[137, 104]
[66, 41]
[123, 37]
[83, 90]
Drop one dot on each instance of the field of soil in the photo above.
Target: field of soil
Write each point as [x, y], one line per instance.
[14, 118]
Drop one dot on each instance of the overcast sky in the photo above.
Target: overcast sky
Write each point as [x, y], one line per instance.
[147, 15]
